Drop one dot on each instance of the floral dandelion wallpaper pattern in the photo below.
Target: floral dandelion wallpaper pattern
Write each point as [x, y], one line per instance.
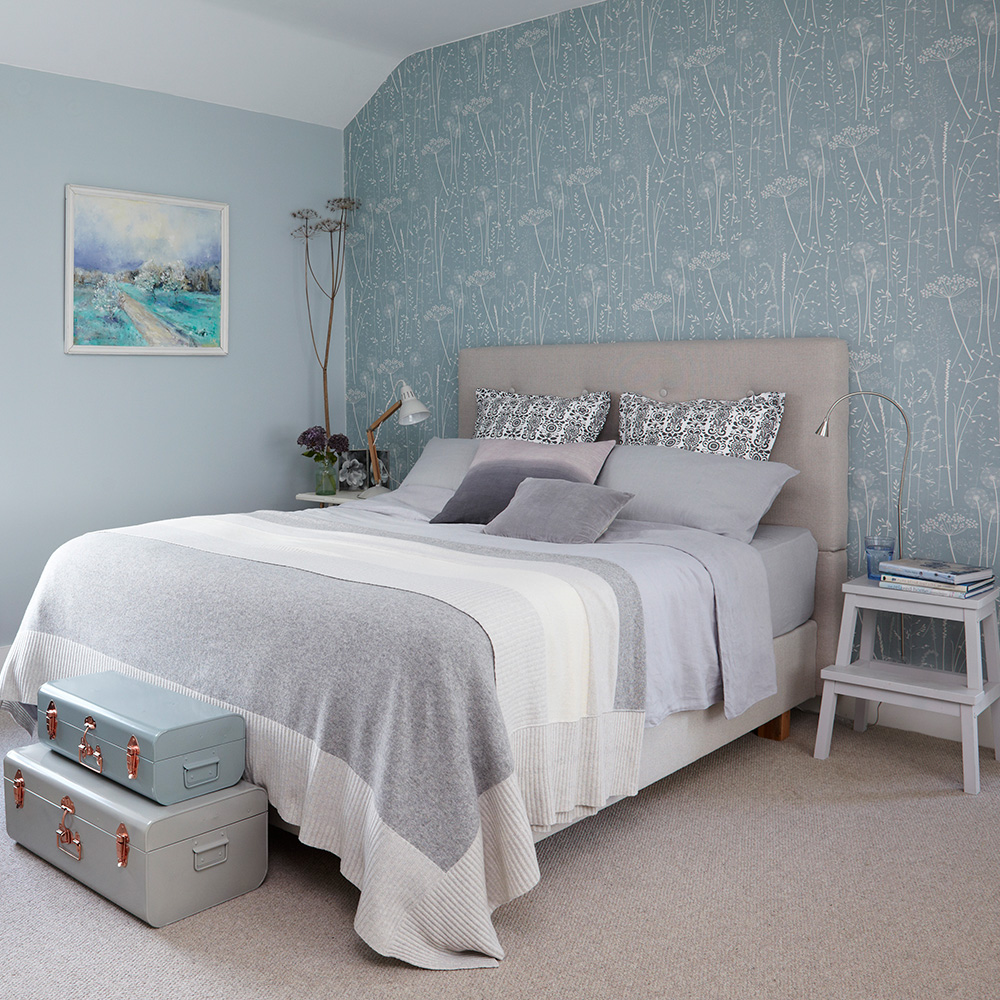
[640, 170]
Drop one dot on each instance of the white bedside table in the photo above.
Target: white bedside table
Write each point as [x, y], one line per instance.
[329, 500]
[866, 679]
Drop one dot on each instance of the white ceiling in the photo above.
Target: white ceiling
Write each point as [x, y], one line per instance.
[312, 60]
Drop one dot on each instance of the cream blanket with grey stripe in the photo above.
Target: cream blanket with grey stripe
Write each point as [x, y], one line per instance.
[415, 709]
[554, 628]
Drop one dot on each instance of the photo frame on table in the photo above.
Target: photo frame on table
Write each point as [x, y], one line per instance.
[355, 469]
[383, 461]
[145, 274]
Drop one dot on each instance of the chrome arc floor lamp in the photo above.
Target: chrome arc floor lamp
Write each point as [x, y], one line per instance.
[824, 431]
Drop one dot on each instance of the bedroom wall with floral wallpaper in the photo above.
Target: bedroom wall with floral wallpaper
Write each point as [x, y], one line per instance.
[638, 170]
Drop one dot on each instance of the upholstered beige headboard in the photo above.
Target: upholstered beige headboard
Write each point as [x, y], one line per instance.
[811, 371]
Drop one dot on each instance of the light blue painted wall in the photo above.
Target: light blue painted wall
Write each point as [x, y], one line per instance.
[642, 169]
[88, 442]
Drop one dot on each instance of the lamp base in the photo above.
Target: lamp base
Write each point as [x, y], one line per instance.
[373, 491]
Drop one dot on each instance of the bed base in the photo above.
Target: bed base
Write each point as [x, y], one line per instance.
[684, 737]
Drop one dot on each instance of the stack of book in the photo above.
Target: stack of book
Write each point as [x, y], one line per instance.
[931, 576]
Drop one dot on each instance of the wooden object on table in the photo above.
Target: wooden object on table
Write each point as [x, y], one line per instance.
[965, 696]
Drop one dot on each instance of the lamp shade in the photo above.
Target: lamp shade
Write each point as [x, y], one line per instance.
[411, 410]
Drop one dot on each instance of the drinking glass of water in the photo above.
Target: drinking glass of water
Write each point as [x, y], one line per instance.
[878, 548]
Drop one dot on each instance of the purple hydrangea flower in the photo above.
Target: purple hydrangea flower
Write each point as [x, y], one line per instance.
[314, 438]
[319, 447]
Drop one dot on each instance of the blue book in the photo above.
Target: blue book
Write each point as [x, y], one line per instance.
[935, 569]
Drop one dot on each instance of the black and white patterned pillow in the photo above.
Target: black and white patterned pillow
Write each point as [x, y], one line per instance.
[741, 428]
[547, 419]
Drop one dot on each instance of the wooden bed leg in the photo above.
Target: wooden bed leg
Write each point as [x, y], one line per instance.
[778, 728]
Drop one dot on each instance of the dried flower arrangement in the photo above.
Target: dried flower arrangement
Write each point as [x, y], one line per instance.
[312, 226]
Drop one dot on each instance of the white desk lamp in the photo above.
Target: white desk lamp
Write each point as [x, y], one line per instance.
[411, 411]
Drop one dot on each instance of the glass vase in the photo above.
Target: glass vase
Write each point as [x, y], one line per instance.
[326, 477]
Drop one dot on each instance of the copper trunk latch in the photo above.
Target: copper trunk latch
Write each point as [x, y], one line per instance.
[64, 835]
[132, 757]
[18, 789]
[121, 838]
[86, 750]
[52, 719]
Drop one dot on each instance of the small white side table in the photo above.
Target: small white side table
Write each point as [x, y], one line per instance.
[331, 499]
[866, 679]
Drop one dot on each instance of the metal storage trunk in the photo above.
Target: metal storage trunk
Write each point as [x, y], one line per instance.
[159, 862]
[160, 743]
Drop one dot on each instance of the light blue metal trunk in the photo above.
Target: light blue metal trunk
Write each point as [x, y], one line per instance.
[159, 862]
[162, 744]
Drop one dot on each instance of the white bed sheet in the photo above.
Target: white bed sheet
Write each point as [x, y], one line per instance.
[789, 556]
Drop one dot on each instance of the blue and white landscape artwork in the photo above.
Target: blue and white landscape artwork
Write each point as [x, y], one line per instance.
[148, 274]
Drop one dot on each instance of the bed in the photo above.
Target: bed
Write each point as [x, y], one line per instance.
[415, 695]
[812, 372]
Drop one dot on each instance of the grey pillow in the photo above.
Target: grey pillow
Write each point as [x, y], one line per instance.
[500, 466]
[727, 496]
[556, 510]
[443, 462]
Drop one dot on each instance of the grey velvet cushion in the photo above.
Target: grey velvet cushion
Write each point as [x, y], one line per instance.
[443, 462]
[556, 510]
[727, 496]
[500, 466]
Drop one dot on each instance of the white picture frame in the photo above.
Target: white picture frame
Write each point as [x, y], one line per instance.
[145, 274]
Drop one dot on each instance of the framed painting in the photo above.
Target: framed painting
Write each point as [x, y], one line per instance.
[145, 274]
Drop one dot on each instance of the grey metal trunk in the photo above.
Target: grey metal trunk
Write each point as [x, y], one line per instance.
[159, 862]
[160, 743]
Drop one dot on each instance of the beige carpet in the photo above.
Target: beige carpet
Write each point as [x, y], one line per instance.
[757, 872]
